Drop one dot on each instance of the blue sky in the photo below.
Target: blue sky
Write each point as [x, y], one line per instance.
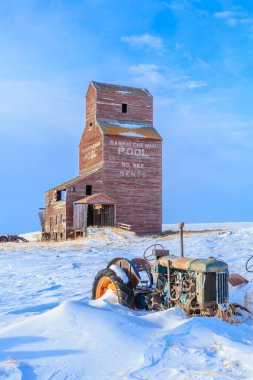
[195, 57]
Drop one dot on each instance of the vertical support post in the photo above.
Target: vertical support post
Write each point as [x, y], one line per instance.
[181, 226]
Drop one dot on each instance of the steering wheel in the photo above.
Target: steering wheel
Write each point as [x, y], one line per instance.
[149, 256]
[249, 264]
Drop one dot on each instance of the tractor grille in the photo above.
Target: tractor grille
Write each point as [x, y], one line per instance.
[222, 287]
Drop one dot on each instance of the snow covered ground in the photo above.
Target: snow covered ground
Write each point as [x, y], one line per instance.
[49, 328]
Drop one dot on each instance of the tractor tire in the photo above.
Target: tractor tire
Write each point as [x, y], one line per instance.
[3, 239]
[107, 279]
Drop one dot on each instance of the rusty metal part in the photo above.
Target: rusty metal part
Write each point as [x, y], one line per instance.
[236, 279]
[149, 256]
[181, 226]
[249, 264]
[156, 301]
[141, 264]
[234, 313]
[197, 265]
[174, 299]
[129, 268]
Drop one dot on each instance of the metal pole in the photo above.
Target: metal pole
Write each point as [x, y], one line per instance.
[181, 226]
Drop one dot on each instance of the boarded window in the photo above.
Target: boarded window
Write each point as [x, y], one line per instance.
[88, 189]
[124, 107]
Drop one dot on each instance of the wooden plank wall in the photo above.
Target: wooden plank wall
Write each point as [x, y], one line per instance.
[55, 210]
[133, 177]
[91, 149]
[80, 216]
[139, 108]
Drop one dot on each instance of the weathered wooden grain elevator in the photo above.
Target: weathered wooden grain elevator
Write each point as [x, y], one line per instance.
[120, 167]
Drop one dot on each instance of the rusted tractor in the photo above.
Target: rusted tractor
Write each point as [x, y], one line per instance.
[160, 280]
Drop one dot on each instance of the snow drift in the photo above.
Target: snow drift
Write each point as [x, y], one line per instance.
[51, 330]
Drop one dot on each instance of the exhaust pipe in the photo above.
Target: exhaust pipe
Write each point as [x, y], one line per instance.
[181, 226]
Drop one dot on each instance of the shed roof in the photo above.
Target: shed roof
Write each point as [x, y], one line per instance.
[100, 198]
[124, 90]
[120, 128]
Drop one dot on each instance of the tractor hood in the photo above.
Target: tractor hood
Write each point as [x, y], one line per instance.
[196, 265]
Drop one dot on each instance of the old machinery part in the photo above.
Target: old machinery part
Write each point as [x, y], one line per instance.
[148, 254]
[236, 279]
[107, 279]
[12, 238]
[181, 227]
[233, 313]
[249, 265]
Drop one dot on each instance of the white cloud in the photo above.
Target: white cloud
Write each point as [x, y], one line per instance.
[150, 74]
[225, 14]
[144, 40]
[192, 84]
[203, 64]
[188, 84]
[234, 18]
[147, 74]
[179, 5]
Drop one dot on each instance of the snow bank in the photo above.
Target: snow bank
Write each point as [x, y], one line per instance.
[51, 330]
[97, 340]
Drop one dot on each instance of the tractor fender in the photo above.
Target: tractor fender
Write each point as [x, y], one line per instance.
[129, 268]
[236, 279]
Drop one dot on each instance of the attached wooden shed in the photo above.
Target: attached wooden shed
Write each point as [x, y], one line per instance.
[95, 210]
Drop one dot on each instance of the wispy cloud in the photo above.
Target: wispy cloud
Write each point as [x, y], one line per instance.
[187, 84]
[144, 40]
[203, 64]
[234, 18]
[147, 74]
[193, 84]
[179, 5]
[225, 14]
[151, 75]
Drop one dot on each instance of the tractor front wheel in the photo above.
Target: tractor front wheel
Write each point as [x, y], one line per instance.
[107, 279]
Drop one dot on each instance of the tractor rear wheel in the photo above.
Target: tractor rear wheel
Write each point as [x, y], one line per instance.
[107, 279]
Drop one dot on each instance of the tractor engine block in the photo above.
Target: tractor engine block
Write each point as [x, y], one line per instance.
[198, 286]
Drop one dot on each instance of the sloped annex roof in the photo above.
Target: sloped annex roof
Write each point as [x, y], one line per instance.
[120, 128]
[72, 181]
[100, 198]
[124, 90]
[63, 185]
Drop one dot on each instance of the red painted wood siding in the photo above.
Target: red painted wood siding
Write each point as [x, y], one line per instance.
[91, 149]
[133, 177]
[139, 108]
[55, 209]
